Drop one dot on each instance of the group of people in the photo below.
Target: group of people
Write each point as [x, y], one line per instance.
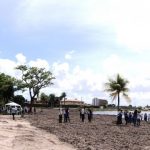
[64, 115]
[25, 110]
[89, 113]
[132, 117]
[64, 112]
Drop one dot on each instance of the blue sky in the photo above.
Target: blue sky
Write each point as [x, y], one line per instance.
[82, 42]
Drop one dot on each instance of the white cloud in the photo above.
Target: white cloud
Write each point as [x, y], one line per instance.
[60, 68]
[21, 58]
[68, 56]
[85, 83]
[40, 63]
[7, 66]
[77, 82]
[35, 13]
[135, 72]
[128, 20]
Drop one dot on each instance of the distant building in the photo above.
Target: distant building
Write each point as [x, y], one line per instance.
[72, 102]
[99, 102]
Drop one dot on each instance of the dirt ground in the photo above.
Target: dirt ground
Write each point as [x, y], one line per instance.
[41, 131]
[101, 134]
[18, 134]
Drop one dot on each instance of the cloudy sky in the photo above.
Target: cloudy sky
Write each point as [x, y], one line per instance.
[82, 42]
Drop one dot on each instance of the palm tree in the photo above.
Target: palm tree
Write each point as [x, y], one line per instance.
[63, 96]
[116, 87]
[52, 100]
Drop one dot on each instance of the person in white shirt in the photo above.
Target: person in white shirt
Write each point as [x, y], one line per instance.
[82, 114]
[148, 117]
[139, 118]
[13, 112]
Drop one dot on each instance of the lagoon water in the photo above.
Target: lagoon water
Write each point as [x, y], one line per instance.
[105, 112]
[113, 112]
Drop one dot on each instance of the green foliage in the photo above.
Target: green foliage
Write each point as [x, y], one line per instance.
[52, 98]
[139, 108]
[19, 99]
[7, 84]
[39, 105]
[34, 79]
[63, 96]
[130, 106]
[44, 98]
[117, 86]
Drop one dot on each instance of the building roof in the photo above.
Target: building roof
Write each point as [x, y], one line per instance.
[73, 100]
[12, 104]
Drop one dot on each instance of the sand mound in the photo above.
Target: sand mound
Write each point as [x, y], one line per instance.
[20, 135]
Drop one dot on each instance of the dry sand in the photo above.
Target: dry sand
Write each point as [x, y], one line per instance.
[20, 135]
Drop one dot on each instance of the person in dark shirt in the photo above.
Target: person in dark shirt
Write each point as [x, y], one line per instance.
[126, 117]
[90, 114]
[145, 117]
[135, 117]
[119, 117]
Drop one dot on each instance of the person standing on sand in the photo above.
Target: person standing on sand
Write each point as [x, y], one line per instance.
[119, 117]
[90, 114]
[67, 115]
[60, 115]
[135, 117]
[13, 112]
[130, 117]
[148, 117]
[139, 118]
[126, 117]
[22, 112]
[145, 117]
[82, 114]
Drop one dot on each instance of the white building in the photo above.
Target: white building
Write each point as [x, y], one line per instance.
[99, 102]
[72, 102]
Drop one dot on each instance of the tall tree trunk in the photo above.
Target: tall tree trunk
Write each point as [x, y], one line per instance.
[31, 104]
[118, 100]
[59, 102]
[64, 101]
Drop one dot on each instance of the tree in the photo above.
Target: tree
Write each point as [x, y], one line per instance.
[52, 98]
[44, 98]
[116, 87]
[19, 99]
[34, 79]
[7, 84]
[63, 96]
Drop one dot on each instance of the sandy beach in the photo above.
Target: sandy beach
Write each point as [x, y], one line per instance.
[20, 135]
[101, 134]
[41, 131]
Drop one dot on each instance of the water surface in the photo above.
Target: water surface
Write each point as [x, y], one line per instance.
[114, 112]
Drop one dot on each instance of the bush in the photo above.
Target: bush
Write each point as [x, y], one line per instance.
[36, 105]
